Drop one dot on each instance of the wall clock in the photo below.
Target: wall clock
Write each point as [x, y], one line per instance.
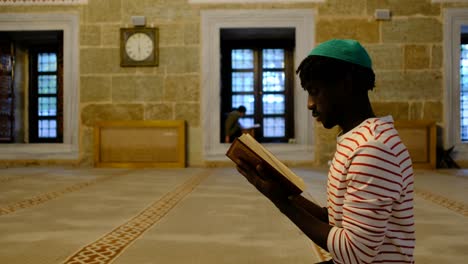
[139, 47]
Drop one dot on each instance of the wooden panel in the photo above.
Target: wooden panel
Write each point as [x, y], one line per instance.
[419, 136]
[140, 144]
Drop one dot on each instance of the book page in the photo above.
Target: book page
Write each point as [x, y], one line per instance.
[272, 160]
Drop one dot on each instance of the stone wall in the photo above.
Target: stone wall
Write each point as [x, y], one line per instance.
[407, 55]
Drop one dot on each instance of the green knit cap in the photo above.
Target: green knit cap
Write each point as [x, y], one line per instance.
[344, 49]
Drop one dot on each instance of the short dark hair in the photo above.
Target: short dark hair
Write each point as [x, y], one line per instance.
[241, 109]
[330, 70]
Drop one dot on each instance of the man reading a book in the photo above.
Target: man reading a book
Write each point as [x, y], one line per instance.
[369, 215]
[232, 126]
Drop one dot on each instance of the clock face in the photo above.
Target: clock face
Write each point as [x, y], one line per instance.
[139, 46]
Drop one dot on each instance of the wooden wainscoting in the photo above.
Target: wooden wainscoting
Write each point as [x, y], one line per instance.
[135, 144]
[420, 138]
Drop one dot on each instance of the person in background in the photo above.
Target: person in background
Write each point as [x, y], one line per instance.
[369, 216]
[232, 126]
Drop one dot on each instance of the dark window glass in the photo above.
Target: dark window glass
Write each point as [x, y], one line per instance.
[464, 93]
[45, 96]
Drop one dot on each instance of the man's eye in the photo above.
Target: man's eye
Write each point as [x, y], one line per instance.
[313, 91]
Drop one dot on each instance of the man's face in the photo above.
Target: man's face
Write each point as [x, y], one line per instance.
[324, 103]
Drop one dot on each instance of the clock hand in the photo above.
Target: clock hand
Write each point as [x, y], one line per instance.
[139, 48]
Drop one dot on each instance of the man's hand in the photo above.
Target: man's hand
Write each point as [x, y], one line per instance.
[296, 209]
[256, 176]
[226, 139]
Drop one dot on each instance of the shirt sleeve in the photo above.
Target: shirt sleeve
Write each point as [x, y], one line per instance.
[374, 183]
[231, 125]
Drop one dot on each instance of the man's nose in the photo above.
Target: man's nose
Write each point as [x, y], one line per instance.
[310, 103]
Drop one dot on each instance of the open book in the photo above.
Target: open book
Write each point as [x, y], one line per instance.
[252, 127]
[254, 153]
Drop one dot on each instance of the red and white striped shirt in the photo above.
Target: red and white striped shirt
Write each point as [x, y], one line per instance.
[370, 196]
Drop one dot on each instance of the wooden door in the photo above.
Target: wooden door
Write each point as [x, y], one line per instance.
[7, 110]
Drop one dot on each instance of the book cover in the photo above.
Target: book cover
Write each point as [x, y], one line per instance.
[251, 151]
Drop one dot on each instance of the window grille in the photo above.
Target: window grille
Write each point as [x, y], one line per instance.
[271, 91]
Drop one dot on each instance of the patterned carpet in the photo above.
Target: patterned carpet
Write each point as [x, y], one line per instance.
[65, 215]
[142, 216]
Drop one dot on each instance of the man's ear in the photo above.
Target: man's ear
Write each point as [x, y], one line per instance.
[344, 87]
[348, 87]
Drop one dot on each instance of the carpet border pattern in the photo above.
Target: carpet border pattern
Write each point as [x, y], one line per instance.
[107, 248]
[443, 201]
[45, 197]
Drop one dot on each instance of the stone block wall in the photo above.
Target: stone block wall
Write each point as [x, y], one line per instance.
[406, 51]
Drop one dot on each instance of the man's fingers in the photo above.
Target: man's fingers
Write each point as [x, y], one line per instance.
[261, 172]
[258, 169]
[257, 177]
[254, 179]
[248, 168]
[254, 174]
[243, 172]
[248, 175]
[243, 163]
